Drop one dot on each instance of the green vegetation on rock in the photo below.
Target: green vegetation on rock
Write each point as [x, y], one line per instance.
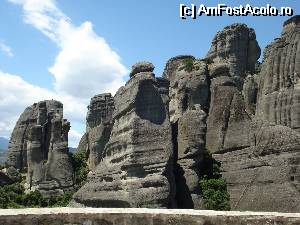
[189, 64]
[14, 196]
[80, 168]
[213, 186]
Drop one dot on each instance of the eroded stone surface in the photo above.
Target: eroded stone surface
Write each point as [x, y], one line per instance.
[17, 149]
[39, 143]
[99, 125]
[236, 46]
[136, 167]
[49, 167]
[279, 85]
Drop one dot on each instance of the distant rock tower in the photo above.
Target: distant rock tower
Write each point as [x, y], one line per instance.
[39, 143]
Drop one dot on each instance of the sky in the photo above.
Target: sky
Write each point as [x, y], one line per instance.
[70, 50]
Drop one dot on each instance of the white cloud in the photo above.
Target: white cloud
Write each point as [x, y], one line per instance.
[74, 136]
[6, 49]
[84, 66]
[16, 94]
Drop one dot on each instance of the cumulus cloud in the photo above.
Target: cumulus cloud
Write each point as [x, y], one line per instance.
[5, 49]
[16, 94]
[84, 66]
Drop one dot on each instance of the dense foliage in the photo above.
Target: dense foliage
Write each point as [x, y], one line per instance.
[80, 168]
[13, 196]
[213, 186]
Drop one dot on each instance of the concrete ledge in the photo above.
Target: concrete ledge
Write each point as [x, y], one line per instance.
[130, 216]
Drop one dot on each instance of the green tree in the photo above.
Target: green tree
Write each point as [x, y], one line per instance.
[213, 186]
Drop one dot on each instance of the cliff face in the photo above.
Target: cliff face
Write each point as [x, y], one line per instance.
[135, 169]
[17, 148]
[265, 175]
[162, 127]
[39, 143]
[99, 125]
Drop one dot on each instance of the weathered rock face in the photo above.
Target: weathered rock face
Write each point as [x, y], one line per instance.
[188, 105]
[279, 85]
[228, 122]
[188, 85]
[49, 168]
[161, 128]
[17, 149]
[190, 150]
[136, 167]
[265, 176]
[236, 46]
[99, 125]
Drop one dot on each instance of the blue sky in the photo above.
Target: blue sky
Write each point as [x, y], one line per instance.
[71, 50]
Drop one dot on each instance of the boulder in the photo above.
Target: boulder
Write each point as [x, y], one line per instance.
[142, 67]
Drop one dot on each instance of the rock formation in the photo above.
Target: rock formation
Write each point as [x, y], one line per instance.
[39, 143]
[265, 175]
[136, 164]
[99, 125]
[146, 146]
[161, 128]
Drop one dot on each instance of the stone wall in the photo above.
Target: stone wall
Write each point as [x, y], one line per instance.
[93, 216]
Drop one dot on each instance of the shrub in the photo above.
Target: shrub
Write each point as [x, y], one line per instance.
[13, 196]
[189, 64]
[80, 168]
[213, 186]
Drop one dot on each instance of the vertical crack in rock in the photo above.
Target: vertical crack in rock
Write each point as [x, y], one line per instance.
[188, 107]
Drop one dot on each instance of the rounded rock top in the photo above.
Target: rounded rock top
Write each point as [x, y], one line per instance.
[142, 67]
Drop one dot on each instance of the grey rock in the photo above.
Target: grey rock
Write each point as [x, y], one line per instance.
[236, 46]
[13, 174]
[264, 177]
[39, 144]
[191, 149]
[142, 67]
[50, 168]
[160, 128]
[4, 179]
[187, 88]
[250, 90]
[136, 167]
[17, 149]
[279, 85]
[99, 125]
[219, 70]
[227, 122]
